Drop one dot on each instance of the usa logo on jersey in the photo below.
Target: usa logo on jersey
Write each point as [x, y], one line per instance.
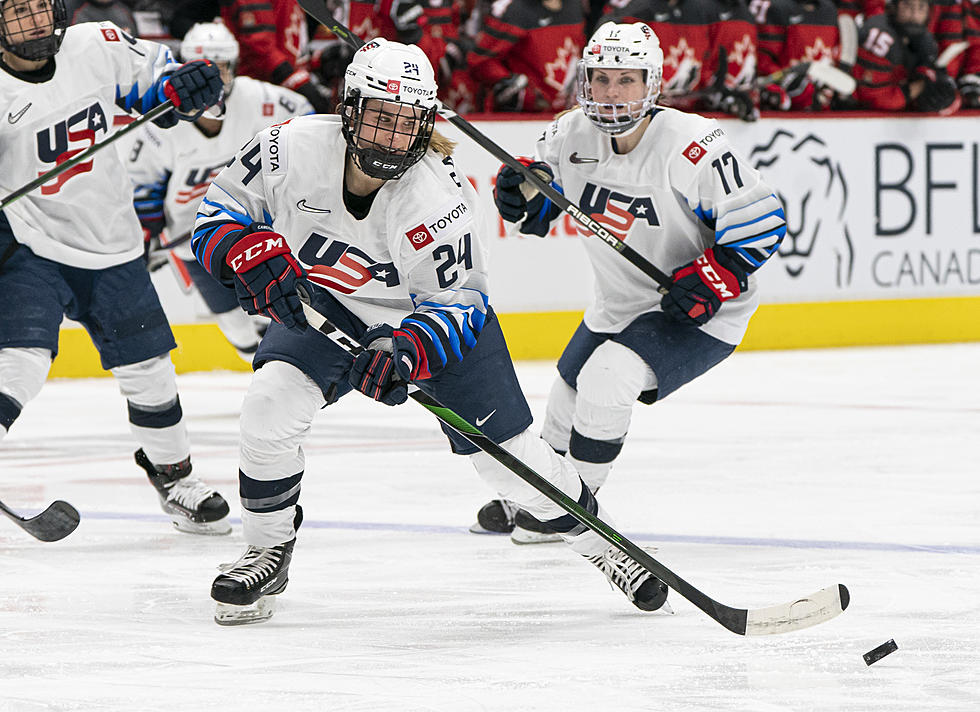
[336, 265]
[617, 211]
[61, 142]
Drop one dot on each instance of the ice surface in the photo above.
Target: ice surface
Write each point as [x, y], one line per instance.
[772, 476]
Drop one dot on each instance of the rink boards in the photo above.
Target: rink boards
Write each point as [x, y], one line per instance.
[882, 244]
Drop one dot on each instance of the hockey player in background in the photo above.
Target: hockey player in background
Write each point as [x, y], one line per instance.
[73, 246]
[172, 169]
[896, 63]
[672, 187]
[370, 205]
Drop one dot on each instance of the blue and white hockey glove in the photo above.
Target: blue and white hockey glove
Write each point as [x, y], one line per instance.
[194, 87]
[700, 287]
[266, 274]
[383, 371]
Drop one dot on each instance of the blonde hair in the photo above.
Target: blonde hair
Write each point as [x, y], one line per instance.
[567, 111]
[441, 144]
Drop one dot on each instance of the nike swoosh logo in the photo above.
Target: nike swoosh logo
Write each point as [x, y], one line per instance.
[309, 208]
[544, 22]
[575, 158]
[481, 421]
[795, 19]
[14, 118]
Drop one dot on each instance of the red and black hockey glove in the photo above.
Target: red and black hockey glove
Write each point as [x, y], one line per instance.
[266, 274]
[383, 370]
[700, 287]
[194, 87]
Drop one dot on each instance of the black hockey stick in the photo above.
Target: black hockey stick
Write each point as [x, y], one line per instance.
[62, 167]
[317, 9]
[54, 523]
[801, 613]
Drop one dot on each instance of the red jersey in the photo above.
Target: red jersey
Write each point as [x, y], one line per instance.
[271, 36]
[525, 37]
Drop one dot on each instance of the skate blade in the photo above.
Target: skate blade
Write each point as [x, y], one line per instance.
[220, 527]
[526, 536]
[230, 614]
[478, 528]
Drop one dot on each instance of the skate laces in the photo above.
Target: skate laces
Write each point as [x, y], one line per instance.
[256, 563]
[188, 492]
[621, 570]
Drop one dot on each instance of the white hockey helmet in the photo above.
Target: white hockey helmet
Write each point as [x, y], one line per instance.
[214, 41]
[14, 29]
[401, 77]
[620, 46]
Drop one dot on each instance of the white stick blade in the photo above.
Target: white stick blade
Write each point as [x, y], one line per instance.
[838, 80]
[817, 608]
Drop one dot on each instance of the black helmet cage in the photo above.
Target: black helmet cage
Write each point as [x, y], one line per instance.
[381, 159]
[43, 47]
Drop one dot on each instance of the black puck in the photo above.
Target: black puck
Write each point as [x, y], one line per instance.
[873, 656]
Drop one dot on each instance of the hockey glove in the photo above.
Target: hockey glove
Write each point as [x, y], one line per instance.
[510, 195]
[266, 274]
[508, 93]
[194, 87]
[406, 15]
[700, 287]
[382, 371]
[306, 84]
[937, 94]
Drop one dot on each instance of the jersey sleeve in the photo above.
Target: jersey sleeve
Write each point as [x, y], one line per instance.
[236, 198]
[141, 67]
[149, 170]
[444, 258]
[547, 150]
[730, 198]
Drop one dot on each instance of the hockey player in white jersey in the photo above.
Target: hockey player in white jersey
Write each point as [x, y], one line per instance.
[673, 188]
[369, 207]
[73, 246]
[172, 170]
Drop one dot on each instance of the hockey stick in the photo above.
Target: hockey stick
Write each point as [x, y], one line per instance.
[795, 615]
[821, 72]
[62, 167]
[317, 9]
[54, 523]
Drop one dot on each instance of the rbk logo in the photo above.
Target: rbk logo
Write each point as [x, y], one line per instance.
[336, 265]
[617, 211]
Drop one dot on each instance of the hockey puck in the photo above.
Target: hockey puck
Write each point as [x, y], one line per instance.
[873, 656]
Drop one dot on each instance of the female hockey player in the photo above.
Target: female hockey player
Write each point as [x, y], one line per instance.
[670, 185]
[371, 207]
[172, 170]
[73, 246]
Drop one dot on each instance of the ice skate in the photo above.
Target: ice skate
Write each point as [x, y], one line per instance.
[495, 517]
[193, 507]
[528, 530]
[642, 588]
[244, 589]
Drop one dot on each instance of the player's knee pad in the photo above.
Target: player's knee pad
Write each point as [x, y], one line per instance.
[558, 417]
[22, 374]
[278, 409]
[152, 382]
[539, 456]
[608, 386]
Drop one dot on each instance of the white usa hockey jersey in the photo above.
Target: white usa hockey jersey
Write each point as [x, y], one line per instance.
[171, 169]
[83, 217]
[418, 250]
[681, 190]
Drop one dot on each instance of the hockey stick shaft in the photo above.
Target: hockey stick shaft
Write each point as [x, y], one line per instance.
[84, 155]
[56, 522]
[317, 9]
[741, 621]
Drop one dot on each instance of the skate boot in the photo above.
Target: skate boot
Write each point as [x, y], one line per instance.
[642, 588]
[245, 588]
[193, 507]
[495, 517]
[528, 530]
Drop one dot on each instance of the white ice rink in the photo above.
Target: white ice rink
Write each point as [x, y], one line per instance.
[773, 476]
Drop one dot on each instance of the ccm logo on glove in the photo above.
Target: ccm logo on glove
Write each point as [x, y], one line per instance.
[256, 248]
[716, 281]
